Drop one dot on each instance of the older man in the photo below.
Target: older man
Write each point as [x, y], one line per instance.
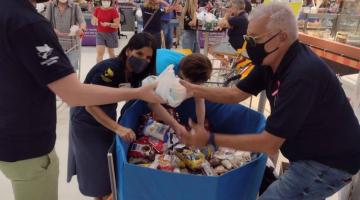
[311, 120]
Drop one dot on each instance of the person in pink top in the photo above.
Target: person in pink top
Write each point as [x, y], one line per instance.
[107, 20]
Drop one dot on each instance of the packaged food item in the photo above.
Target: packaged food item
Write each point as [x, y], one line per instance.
[208, 170]
[208, 151]
[139, 161]
[165, 163]
[157, 130]
[158, 145]
[155, 164]
[177, 170]
[227, 164]
[214, 162]
[220, 170]
[192, 159]
[177, 162]
[141, 149]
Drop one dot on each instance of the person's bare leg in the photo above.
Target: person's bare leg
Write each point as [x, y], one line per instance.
[111, 52]
[100, 50]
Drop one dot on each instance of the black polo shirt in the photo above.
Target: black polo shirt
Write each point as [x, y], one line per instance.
[238, 28]
[30, 59]
[309, 109]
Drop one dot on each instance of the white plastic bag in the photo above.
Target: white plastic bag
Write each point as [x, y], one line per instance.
[73, 30]
[149, 80]
[169, 87]
[138, 13]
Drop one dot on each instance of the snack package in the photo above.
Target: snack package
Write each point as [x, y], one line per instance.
[165, 163]
[192, 159]
[141, 149]
[158, 145]
[156, 130]
[220, 170]
[169, 87]
[208, 170]
[208, 151]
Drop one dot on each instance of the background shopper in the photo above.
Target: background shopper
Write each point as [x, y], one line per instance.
[190, 37]
[107, 20]
[63, 14]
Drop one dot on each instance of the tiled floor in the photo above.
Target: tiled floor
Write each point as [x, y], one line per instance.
[70, 191]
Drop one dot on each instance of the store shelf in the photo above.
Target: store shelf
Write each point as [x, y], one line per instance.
[338, 52]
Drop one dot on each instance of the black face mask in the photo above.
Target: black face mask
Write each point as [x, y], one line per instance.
[137, 65]
[257, 52]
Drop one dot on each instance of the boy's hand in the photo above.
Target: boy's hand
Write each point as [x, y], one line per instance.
[180, 130]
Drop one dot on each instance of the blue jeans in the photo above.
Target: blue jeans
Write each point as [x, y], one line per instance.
[307, 180]
[168, 29]
[190, 40]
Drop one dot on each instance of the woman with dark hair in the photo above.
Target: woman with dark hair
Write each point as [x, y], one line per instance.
[92, 128]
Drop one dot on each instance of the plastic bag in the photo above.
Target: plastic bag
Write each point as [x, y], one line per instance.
[169, 87]
[73, 30]
[138, 13]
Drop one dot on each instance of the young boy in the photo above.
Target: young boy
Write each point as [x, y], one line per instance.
[195, 68]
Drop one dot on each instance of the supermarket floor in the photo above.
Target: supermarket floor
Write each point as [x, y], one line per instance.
[70, 191]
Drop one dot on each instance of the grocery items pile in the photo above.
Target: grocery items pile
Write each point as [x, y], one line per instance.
[159, 148]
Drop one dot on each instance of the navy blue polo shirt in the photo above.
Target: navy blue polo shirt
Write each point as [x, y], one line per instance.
[30, 59]
[309, 110]
[110, 73]
[238, 28]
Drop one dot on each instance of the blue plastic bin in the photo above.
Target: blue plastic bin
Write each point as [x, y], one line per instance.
[139, 183]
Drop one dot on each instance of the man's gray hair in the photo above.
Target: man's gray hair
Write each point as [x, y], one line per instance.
[238, 4]
[281, 17]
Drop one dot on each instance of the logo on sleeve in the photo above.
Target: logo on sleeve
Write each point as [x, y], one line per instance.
[108, 74]
[44, 52]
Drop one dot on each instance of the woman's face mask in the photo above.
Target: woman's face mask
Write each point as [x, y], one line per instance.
[137, 64]
[63, 1]
[106, 4]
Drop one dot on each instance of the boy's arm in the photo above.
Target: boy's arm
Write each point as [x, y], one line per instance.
[161, 112]
[200, 110]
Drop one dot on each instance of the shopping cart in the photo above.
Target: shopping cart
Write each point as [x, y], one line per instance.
[234, 65]
[72, 48]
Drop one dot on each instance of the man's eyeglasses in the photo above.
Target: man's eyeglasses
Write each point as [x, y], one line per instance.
[251, 40]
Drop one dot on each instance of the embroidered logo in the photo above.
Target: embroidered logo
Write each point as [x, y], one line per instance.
[44, 52]
[108, 74]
